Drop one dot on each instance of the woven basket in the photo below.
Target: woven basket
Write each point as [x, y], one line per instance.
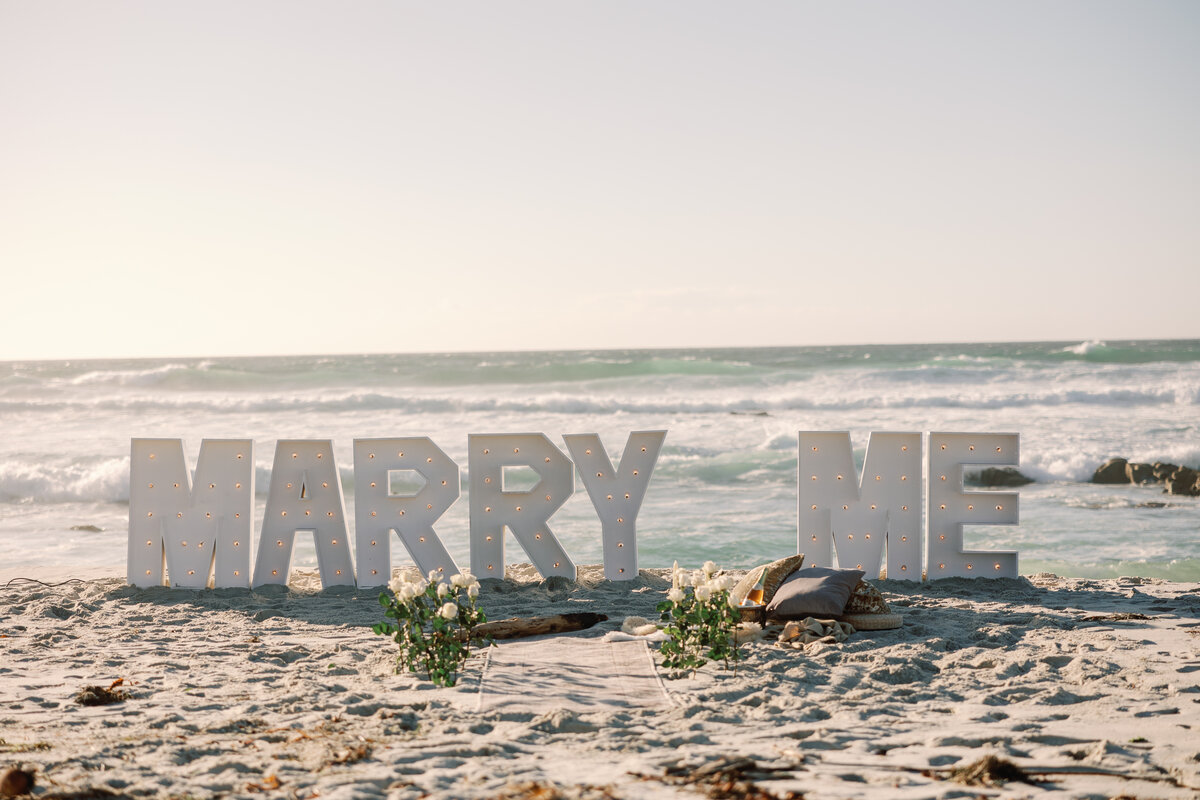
[872, 622]
[757, 613]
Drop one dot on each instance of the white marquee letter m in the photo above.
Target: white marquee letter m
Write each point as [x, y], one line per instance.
[839, 513]
[189, 530]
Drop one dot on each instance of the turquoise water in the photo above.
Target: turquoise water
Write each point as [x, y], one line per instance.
[725, 486]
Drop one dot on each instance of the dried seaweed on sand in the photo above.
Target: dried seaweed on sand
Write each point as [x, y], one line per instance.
[725, 779]
[989, 771]
[102, 696]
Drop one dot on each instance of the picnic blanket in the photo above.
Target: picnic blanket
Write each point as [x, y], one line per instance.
[570, 672]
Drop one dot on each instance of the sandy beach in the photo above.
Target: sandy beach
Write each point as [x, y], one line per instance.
[1093, 687]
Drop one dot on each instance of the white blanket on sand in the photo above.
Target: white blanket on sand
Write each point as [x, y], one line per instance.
[570, 672]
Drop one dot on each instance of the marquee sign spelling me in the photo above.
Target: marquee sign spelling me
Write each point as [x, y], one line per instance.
[905, 506]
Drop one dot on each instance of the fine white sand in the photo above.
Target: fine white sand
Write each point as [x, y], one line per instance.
[235, 690]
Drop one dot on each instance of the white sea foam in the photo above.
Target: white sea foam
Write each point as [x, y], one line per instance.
[104, 480]
[808, 398]
[137, 377]
[1085, 348]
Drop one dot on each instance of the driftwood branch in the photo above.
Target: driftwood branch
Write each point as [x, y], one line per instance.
[992, 769]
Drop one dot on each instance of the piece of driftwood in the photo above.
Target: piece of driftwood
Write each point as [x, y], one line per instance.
[519, 627]
[988, 769]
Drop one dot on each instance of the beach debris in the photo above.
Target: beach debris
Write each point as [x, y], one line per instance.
[15, 782]
[86, 793]
[102, 696]
[991, 770]
[520, 627]
[726, 778]
[269, 784]
[1120, 616]
[995, 771]
[18, 782]
[351, 755]
[537, 790]
[23, 747]
[87, 528]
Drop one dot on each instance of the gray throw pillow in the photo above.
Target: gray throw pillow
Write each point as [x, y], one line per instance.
[814, 592]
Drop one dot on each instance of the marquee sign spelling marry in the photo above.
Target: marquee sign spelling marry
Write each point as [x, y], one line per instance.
[202, 529]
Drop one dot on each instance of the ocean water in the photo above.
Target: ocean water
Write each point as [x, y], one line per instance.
[725, 485]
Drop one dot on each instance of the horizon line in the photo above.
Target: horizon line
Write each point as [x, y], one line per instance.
[517, 350]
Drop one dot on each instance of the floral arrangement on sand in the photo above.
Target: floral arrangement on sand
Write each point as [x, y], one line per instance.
[433, 621]
[701, 619]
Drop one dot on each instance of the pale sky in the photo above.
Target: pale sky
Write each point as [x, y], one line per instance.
[221, 178]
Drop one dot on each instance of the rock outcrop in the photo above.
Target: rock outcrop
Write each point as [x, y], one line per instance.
[1184, 481]
[1139, 473]
[1163, 470]
[996, 476]
[1111, 471]
[1175, 479]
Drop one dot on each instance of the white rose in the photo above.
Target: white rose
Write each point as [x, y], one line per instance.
[733, 601]
[458, 580]
[709, 568]
[675, 595]
[433, 576]
[473, 590]
[725, 583]
[406, 593]
[442, 590]
[448, 611]
[703, 593]
[699, 578]
[396, 583]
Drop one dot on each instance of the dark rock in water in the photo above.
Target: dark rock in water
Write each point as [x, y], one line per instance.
[1139, 473]
[86, 528]
[1163, 470]
[1184, 481]
[1111, 471]
[750, 413]
[996, 476]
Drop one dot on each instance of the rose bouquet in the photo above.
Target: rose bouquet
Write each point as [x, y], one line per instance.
[433, 621]
[701, 619]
